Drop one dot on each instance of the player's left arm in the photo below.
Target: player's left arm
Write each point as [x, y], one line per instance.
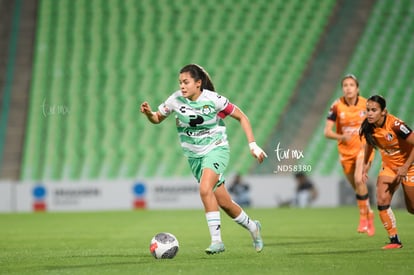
[406, 133]
[410, 159]
[256, 151]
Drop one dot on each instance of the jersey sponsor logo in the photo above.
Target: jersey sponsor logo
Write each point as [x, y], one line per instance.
[196, 120]
[391, 152]
[183, 109]
[197, 134]
[350, 130]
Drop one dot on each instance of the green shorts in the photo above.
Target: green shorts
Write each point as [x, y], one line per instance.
[217, 160]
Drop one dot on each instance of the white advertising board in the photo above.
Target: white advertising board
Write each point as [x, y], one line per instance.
[172, 193]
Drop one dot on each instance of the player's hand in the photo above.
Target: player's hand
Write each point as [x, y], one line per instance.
[401, 173]
[345, 137]
[146, 108]
[257, 152]
[365, 176]
[365, 170]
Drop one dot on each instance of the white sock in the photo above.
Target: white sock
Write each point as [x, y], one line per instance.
[245, 221]
[214, 224]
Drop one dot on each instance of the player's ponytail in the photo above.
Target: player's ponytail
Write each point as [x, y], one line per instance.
[198, 73]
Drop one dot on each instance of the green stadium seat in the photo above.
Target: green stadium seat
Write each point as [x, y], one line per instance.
[103, 58]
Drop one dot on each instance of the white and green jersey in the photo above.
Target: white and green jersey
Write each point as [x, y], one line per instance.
[199, 123]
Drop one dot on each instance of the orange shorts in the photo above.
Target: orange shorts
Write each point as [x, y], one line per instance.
[348, 163]
[387, 171]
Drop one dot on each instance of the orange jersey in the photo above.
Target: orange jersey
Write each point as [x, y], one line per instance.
[348, 119]
[390, 139]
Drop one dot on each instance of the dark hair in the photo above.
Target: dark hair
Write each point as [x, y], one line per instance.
[198, 73]
[300, 175]
[367, 128]
[350, 76]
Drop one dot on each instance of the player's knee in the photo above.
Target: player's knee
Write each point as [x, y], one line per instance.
[205, 191]
[383, 199]
[359, 182]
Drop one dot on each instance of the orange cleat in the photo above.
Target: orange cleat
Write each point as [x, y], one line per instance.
[394, 243]
[363, 225]
[392, 246]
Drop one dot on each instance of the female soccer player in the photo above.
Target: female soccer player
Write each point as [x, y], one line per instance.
[199, 112]
[347, 114]
[395, 141]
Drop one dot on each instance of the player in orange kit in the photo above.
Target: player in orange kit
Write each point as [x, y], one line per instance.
[395, 141]
[347, 114]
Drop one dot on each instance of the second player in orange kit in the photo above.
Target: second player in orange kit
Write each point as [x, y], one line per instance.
[346, 115]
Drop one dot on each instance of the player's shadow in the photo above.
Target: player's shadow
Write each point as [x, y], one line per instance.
[294, 240]
[330, 252]
[141, 257]
[299, 241]
[79, 266]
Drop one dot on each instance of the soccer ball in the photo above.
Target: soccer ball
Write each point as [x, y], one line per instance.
[164, 246]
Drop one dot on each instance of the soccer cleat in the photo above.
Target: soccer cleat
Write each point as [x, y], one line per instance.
[363, 225]
[215, 248]
[392, 246]
[371, 226]
[257, 238]
[394, 243]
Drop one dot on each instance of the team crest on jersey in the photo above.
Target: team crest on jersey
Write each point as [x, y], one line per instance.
[206, 110]
[389, 136]
[342, 115]
[362, 113]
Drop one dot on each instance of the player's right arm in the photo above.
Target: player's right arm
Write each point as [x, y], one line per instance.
[329, 126]
[153, 117]
[367, 161]
[329, 132]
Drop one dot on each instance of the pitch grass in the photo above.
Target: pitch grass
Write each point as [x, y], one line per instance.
[297, 241]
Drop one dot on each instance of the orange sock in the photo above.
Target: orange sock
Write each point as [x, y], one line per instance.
[388, 220]
[364, 208]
